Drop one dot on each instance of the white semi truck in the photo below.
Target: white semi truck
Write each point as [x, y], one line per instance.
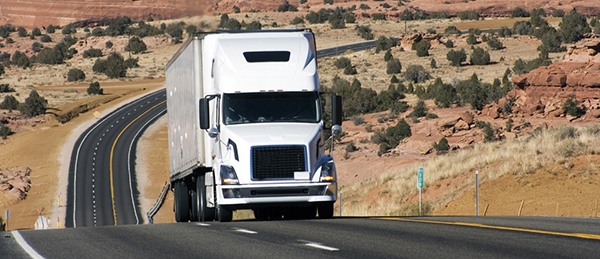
[246, 127]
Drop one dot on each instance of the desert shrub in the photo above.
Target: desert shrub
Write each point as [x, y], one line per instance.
[349, 18]
[364, 7]
[5, 88]
[113, 66]
[504, 32]
[336, 19]
[22, 32]
[571, 107]
[342, 62]
[523, 67]
[36, 46]
[473, 92]
[358, 120]
[494, 43]
[388, 55]
[254, 25]
[456, 57]
[45, 38]
[558, 13]
[118, 27]
[449, 44]
[416, 74]
[551, 42]
[406, 15]
[20, 59]
[136, 45]
[69, 29]
[472, 39]
[108, 44]
[350, 147]
[378, 16]
[297, 20]
[442, 145]
[394, 66]
[176, 31]
[522, 27]
[94, 88]
[451, 30]
[479, 57]
[350, 70]
[445, 95]
[98, 32]
[537, 17]
[75, 74]
[394, 80]
[420, 110]
[392, 136]
[2, 70]
[519, 12]
[36, 32]
[132, 62]
[432, 63]
[314, 17]
[422, 48]
[509, 124]
[573, 26]
[92, 53]
[5, 131]
[364, 31]
[9, 103]
[34, 105]
[469, 15]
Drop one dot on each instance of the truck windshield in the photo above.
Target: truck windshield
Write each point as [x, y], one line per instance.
[271, 107]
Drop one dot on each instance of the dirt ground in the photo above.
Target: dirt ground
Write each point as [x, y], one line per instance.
[44, 147]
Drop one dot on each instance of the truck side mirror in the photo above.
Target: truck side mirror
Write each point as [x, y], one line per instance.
[204, 114]
[336, 107]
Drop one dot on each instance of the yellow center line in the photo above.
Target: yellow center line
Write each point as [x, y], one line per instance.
[579, 235]
[112, 189]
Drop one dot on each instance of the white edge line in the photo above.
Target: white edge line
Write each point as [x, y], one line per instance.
[21, 241]
[81, 144]
[319, 246]
[202, 224]
[129, 163]
[245, 231]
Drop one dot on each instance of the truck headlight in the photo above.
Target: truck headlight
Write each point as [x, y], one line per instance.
[328, 172]
[228, 175]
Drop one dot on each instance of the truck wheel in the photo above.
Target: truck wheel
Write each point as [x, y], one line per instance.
[182, 202]
[325, 210]
[204, 213]
[194, 216]
[225, 214]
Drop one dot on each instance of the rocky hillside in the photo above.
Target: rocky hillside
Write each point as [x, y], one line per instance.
[60, 12]
[543, 91]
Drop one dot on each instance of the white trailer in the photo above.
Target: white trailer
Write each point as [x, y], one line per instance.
[246, 128]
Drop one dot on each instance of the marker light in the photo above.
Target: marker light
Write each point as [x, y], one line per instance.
[328, 172]
[228, 175]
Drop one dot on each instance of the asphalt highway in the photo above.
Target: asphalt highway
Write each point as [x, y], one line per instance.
[393, 237]
[102, 185]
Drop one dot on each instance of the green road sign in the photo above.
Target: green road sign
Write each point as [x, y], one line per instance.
[420, 182]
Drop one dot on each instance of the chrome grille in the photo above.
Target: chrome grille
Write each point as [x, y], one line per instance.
[277, 162]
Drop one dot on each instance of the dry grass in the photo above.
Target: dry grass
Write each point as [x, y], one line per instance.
[520, 157]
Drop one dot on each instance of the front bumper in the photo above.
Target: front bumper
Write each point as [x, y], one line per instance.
[252, 196]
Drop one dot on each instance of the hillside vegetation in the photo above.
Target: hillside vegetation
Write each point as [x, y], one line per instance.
[544, 151]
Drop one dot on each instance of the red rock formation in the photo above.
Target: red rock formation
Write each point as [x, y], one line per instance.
[504, 7]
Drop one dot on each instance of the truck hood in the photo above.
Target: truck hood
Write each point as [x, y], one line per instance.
[267, 134]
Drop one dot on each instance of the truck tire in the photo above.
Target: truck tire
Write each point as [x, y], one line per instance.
[194, 216]
[204, 213]
[182, 202]
[325, 210]
[225, 214]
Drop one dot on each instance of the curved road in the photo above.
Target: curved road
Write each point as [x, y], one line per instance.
[392, 237]
[102, 186]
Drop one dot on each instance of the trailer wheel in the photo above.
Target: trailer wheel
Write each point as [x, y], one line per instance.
[225, 214]
[325, 210]
[182, 202]
[204, 213]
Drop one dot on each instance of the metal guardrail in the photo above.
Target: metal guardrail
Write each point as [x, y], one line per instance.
[159, 202]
